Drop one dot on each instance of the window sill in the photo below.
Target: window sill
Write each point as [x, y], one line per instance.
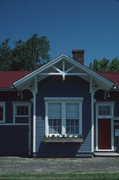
[64, 140]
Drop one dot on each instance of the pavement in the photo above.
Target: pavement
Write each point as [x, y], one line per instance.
[58, 165]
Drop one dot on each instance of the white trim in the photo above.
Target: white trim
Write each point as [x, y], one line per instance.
[2, 104]
[30, 133]
[20, 103]
[63, 99]
[63, 102]
[111, 117]
[63, 66]
[14, 124]
[92, 121]
[80, 117]
[107, 82]
[46, 119]
[34, 121]
[63, 120]
[63, 73]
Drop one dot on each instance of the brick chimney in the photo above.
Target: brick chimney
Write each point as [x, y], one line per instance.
[78, 55]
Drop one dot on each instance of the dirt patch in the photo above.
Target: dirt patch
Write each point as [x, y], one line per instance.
[60, 165]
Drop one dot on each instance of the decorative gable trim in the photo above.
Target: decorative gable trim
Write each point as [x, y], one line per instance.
[63, 72]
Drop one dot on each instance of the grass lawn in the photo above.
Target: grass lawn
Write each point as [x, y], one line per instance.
[63, 176]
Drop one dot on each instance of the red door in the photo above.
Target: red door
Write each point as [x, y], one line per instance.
[104, 133]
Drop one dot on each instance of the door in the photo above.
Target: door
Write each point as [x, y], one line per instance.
[104, 134]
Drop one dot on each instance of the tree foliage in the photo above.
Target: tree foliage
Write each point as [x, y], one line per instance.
[24, 56]
[105, 65]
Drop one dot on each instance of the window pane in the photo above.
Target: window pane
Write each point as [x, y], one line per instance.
[72, 111]
[1, 113]
[54, 111]
[22, 110]
[104, 110]
[72, 126]
[55, 126]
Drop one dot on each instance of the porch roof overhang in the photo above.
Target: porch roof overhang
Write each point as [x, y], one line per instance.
[63, 66]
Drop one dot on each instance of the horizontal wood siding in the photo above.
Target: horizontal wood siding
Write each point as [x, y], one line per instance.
[56, 87]
[14, 140]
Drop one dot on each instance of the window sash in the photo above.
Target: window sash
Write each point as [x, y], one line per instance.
[22, 110]
[64, 118]
[54, 126]
[16, 114]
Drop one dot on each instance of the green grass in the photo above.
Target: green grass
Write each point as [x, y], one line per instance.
[67, 176]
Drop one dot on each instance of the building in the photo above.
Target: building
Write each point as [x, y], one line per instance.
[62, 109]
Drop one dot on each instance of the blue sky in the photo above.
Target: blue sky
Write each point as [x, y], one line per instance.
[92, 25]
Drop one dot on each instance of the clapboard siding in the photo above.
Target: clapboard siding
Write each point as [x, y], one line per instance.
[56, 87]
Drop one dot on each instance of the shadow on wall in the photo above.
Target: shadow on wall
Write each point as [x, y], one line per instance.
[58, 149]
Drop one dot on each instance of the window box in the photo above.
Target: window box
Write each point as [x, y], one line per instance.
[55, 139]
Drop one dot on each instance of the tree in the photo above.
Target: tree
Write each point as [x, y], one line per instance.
[5, 54]
[100, 65]
[114, 66]
[24, 56]
[105, 65]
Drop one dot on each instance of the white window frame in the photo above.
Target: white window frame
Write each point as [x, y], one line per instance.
[111, 116]
[2, 104]
[15, 104]
[63, 102]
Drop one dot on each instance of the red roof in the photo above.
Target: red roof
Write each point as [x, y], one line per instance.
[7, 78]
[112, 76]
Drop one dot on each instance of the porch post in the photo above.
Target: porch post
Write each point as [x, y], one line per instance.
[92, 114]
[92, 121]
[34, 115]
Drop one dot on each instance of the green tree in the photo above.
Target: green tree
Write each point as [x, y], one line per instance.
[100, 65]
[114, 65]
[5, 53]
[105, 65]
[24, 56]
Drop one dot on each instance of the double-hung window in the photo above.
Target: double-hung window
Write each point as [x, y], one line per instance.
[21, 112]
[2, 112]
[63, 116]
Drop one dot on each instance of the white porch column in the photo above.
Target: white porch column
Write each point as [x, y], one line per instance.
[92, 121]
[92, 92]
[34, 121]
[34, 114]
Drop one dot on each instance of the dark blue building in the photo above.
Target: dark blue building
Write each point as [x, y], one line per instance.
[62, 109]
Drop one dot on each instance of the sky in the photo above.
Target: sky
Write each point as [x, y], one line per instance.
[92, 25]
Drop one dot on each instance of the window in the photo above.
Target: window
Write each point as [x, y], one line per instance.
[63, 117]
[21, 112]
[54, 121]
[2, 111]
[72, 118]
[104, 110]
